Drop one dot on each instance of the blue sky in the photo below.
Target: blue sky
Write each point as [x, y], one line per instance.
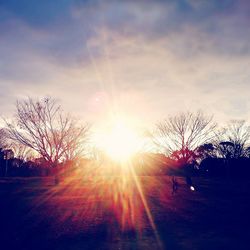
[144, 59]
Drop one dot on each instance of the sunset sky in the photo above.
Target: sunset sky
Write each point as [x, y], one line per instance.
[142, 59]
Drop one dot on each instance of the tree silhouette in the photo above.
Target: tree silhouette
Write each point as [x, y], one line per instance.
[181, 134]
[21, 151]
[206, 150]
[4, 138]
[233, 140]
[42, 126]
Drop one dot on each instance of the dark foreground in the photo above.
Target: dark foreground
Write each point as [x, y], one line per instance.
[113, 213]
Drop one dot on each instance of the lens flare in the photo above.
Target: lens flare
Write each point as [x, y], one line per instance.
[120, 141]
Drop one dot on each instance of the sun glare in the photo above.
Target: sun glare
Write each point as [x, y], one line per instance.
[120, 142]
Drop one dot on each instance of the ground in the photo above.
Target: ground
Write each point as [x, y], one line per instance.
[101, 212]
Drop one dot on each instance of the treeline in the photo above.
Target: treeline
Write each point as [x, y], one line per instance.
[42, 140]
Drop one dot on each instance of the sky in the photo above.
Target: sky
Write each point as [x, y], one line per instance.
[142, 59]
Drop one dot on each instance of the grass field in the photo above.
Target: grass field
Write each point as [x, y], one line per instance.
[103, 212]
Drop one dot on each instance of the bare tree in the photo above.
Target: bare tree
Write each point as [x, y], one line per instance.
[4, 142]
[180, 135]
[42, 126]
[233, 140]
[75, 143]
[21, 151]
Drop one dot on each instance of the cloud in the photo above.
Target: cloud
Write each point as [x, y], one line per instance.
[143, 58]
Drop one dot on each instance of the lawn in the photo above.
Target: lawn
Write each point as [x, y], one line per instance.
[101, 212]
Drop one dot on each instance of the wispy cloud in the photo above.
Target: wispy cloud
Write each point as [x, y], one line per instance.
[146, 58]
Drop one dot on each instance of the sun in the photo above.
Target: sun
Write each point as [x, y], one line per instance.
[120, 141]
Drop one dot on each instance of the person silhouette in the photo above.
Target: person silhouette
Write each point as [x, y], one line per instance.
[174, 185]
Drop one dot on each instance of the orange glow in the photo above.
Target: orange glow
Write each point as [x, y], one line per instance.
[120, 141]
